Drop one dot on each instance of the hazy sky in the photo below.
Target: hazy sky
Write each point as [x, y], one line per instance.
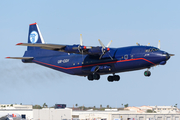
[62, 22]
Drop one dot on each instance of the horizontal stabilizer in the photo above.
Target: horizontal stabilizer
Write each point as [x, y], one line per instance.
[43, 46]
[24, 58]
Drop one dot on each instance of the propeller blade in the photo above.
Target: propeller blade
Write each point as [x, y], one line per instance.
[159, 45]
[171, 54]
[101, 55]
[81, 40]
[109, 43]
[110, 56]
[101, 44]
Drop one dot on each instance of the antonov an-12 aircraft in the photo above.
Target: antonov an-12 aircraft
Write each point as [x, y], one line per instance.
[90, 61]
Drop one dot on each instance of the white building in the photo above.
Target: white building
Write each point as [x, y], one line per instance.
[25, 110]
[52, 114]
[156, 109]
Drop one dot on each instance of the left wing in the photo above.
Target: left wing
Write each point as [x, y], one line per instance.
[78, 49]
[44, 46]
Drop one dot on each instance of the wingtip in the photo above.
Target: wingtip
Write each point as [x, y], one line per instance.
[7, 57]
[19, 43]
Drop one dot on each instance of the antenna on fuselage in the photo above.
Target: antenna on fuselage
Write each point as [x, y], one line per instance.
[159, 44]
[137, 44]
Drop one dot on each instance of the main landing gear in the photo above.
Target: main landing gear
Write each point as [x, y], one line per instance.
[113, 78]
[147, 73]
[96, 76]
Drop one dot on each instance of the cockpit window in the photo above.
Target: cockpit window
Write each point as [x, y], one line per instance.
[152, 50]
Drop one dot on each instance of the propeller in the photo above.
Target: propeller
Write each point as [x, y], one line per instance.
[81, 47]
[105, 49]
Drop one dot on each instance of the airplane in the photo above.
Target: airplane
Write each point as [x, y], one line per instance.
[9, 116]
[90, 61]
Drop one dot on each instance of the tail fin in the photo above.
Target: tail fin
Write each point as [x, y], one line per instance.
[34, 36]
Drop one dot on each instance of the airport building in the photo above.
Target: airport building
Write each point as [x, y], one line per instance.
[124, 115]
[130, 113]
[52, 114]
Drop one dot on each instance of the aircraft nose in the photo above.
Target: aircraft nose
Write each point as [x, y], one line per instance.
[167, 56]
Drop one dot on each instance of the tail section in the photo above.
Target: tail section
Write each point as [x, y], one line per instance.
[34, 36]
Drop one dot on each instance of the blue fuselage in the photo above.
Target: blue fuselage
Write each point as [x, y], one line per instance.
[124, 59]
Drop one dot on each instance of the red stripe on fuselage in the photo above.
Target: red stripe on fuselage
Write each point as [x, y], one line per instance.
[94, 64]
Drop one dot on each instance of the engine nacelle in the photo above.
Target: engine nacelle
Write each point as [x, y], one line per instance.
[74, 49]
[71, 49]
[95, 51]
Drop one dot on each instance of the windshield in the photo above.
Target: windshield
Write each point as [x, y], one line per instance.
[152, 50]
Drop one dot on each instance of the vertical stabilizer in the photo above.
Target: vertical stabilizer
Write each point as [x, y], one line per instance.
[34, 36]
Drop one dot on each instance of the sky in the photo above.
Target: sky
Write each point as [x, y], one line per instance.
[62, 22]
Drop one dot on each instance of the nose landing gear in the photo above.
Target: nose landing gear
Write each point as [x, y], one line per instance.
[147, 73]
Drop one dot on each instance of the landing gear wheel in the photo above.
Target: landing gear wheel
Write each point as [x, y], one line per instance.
[116, 77]
[113, 78]
[90, 77]
[110, 78]
[147, 73]
[96, 76]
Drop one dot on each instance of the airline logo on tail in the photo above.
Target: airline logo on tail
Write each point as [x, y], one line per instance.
[34, 37]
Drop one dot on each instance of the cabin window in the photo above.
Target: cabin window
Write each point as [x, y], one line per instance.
[125, 56]
[131, 56]
[73, 63]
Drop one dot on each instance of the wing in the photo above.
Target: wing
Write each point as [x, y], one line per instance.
[44, 46]
[78, 49]
[57, 47]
